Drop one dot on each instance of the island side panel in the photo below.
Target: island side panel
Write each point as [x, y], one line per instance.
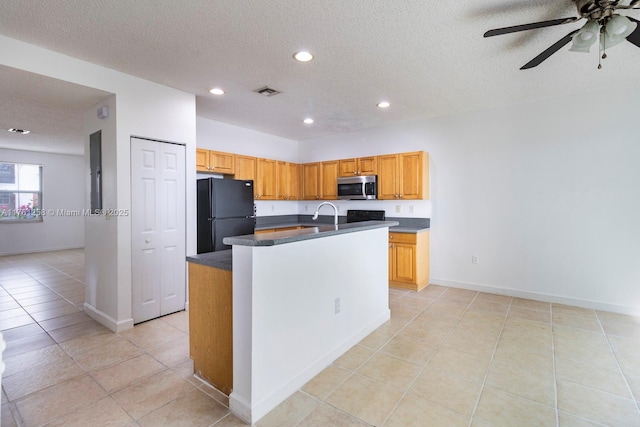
[296, 332]
[241, 396]
[210, 325]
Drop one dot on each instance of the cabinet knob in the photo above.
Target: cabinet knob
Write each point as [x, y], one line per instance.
[390, 246]
[390, 237]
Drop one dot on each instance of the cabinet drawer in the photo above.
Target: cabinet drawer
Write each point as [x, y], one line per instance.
[402, 237]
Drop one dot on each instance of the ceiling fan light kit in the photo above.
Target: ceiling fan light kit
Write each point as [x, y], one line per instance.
[616, 31]
[612, 28]
[585, 37]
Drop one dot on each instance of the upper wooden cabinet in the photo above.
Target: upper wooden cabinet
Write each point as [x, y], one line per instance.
[215, 161]
[266, 184]
[403, 176]
[329, 180]
[202, 160]
[311, 181]
[246, 168]
[360, 166]
[288, 181]
[320, 180]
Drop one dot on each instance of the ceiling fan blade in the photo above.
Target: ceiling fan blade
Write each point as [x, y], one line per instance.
[550, 51]
[532, 26]
[635, 36]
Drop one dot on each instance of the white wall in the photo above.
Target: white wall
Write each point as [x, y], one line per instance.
[140, 108]
[220, 136]
[214, 135]
[285, 326]
[545, 195]
[62, 189]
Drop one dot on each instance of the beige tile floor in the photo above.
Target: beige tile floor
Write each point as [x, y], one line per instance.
[447, 357]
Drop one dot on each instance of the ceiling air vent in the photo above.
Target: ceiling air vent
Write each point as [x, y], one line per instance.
[20, 131]
[267, 91]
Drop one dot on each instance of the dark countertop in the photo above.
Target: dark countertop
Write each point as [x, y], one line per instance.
[314, 232]
[219, 259]
[411, 230]
[394, 229]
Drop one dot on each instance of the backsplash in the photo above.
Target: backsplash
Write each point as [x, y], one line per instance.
[266, 221]
[397, 209]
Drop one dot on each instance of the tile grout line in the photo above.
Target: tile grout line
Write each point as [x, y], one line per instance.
[484, 380]
[615, 356]
[555, 374]
[408, 388]
[354, 371]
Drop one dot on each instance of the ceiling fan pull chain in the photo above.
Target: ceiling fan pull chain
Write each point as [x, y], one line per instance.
[601, 48]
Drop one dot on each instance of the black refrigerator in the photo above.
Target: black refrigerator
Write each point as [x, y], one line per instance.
[225, 208]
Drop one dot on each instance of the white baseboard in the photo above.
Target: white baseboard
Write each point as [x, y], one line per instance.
[252, 413]
[537, 296]
[107, 320]
[33, 251]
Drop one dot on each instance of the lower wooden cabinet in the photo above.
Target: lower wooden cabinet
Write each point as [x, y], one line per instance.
[409, 260]
[210, 325]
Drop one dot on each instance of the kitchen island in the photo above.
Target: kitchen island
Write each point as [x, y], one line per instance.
[301, 299]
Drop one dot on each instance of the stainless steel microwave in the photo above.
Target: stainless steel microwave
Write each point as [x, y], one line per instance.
[358, 187]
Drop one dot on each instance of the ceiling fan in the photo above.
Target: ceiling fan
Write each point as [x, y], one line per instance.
[612, 28]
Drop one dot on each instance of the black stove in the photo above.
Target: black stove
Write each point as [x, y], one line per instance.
[358, 216]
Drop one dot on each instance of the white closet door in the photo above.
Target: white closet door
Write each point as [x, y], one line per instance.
[158, 228]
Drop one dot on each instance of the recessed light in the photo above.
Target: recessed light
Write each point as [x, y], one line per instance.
[383, 104]
[308, 121]
[216, 91]
[20, 131]
[302, 56]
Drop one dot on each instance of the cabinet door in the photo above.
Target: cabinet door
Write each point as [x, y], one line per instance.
[202, 160]
[311, 181]
[267, 180]
[411, 176]
[294, 181]
[368, 166]
[392, 258]
[223, 163]
[246, 168]
[329, 180]
[282, 173]
[210, 328]
[348, 167]
[387, 177]
[404, 262]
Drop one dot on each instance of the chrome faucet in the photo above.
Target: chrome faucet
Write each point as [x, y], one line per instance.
[335, 212]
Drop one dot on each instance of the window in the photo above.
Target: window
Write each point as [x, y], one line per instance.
[20, 192]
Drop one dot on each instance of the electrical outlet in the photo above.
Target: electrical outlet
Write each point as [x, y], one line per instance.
[474, 259]
[411, 209]
[336, 306]
[273, 208]
[398, 208]
[306, 208]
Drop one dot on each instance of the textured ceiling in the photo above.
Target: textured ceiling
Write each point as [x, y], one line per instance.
[428, 58]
